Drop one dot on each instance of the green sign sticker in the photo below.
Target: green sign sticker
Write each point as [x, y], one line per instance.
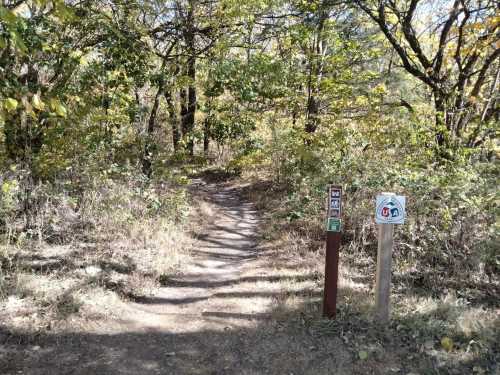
[333, 224]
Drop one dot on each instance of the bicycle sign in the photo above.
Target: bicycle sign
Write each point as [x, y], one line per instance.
[390, 209]
[335, 202]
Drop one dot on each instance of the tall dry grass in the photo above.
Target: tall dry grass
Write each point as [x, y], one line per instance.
[75, 250]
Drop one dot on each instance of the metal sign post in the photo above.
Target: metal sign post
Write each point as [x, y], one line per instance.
[333, 237]
[390, 210]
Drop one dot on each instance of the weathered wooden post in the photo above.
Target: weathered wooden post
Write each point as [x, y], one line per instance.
[333, 238]
[390, 210]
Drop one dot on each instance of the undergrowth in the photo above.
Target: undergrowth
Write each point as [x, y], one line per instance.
[69, 252]
[445, 283]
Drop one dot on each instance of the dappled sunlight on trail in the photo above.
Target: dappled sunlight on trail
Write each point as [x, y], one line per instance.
[224, 314]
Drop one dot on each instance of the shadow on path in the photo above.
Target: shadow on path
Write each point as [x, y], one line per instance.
[230, 312]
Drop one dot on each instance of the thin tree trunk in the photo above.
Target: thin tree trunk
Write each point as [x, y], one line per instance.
[176, 136]
[206, 134]
[189, 38]
[183, 110]
[147, 156]
[191, 106]
[487, 113]
[312, 114]
[316, 65]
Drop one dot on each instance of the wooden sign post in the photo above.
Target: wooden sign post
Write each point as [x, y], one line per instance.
[390, 210]
[383, 280]
[333, 237]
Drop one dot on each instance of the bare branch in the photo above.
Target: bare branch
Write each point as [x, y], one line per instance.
[483, 71]
[438, 59]
[380, 19]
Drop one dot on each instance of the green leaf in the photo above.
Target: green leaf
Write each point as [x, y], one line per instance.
[363, 355]
[7, 16]
[64, 13]
[18, 41]
[41, 2]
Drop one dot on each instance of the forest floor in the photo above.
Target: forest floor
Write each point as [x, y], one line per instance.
[239, 306]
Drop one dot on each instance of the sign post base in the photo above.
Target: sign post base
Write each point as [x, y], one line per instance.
[331, 274]
[383, 279]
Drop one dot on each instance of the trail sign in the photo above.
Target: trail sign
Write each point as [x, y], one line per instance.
[333, 224]
[390, 209]
[335, 202]
[333, 237]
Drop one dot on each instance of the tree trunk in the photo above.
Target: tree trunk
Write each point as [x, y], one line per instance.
[176, 136]
[442, 125]
[191, 106]
[149, 141]
[312, 114]
[316, 65]
[188, 109]
[189, 39]
[206, 135]
[183, 110]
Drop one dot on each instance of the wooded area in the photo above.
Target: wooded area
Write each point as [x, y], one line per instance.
[109, 109]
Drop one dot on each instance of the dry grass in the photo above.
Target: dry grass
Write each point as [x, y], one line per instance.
[128, 247]
[116, 243]
[421, 317]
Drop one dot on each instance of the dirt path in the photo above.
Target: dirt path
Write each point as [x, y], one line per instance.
[226, 314]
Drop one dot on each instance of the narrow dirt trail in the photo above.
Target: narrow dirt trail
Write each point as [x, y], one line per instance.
[209, 293]
[225, 314]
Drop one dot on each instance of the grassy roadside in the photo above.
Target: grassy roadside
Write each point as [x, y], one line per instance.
[433, 330]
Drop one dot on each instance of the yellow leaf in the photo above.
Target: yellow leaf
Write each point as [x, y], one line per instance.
[6, 187]
[380, 89]
[58, 108]
[447, 344]
[61, 110]
[75, 54]
[28, 107]
[10, 104]
[37, 102]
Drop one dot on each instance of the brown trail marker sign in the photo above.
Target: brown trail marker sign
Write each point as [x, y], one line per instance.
[389, 210]
[333, 237]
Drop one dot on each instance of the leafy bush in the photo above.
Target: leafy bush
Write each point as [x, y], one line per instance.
[451, 205]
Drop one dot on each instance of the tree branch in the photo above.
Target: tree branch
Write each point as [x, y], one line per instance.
[380, 19]
[438, 59]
